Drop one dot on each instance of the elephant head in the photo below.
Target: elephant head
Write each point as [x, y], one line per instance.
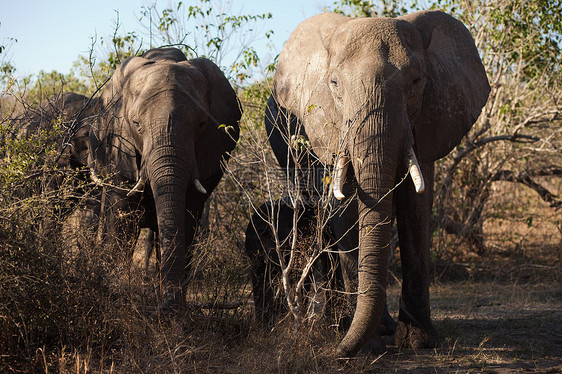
[168, 123]
[379, 94]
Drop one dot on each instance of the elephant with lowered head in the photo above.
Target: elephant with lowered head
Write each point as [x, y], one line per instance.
[166, 124]
[378, 98]
[75, 113]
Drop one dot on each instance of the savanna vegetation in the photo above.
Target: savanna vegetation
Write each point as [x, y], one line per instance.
[69, 303]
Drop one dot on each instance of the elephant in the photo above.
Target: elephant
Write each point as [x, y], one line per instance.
[165, 127]
[75, 112]
[372, 101]
[65, 119]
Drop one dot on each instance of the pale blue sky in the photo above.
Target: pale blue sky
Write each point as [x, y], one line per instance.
[52, 34]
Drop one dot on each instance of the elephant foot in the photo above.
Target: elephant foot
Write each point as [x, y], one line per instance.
[409, 336]
[387, 325]
[376, 345]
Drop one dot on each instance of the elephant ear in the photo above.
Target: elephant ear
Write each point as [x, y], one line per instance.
[222, 128]
[111, 149]
[301, 83]
[457, 87]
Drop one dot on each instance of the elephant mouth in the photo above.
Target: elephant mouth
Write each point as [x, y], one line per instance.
[342, 164]
[143, 173]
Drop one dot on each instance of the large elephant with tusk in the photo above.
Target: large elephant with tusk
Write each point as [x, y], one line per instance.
[377, 99]
[164, 128]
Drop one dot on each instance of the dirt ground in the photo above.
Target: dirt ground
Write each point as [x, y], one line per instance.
[485, 326]
[494, 315]
[488, 327]
[498, 313]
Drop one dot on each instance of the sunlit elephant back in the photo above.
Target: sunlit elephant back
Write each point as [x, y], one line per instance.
[378, 99]
[166, 125]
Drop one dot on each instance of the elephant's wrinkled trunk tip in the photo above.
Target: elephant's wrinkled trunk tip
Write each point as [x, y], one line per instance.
[415, 171]
[138, 187]
[199, 187]
[339, 177]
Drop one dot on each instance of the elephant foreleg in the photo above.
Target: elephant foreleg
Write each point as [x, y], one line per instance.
[413, 217]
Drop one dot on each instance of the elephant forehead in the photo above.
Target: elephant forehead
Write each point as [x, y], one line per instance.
[373, 40]
[164, 75]
[353, 34]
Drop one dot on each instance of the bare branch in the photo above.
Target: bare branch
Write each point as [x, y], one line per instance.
[525, 178]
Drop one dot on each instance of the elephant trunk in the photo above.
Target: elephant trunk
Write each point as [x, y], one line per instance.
[375, 160]
[170, 172]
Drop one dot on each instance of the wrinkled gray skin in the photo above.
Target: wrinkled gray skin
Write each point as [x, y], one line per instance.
[369, 89]
[169, 122]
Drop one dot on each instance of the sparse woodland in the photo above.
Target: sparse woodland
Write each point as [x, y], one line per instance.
[70, 304]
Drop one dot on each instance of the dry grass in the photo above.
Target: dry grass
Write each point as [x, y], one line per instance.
[92, 311]
[490, 321]
[74, 306]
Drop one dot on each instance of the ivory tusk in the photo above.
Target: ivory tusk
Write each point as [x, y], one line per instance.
[339, 177]
[415, 171]
[95, 177]
[138, 187]
[199, 187]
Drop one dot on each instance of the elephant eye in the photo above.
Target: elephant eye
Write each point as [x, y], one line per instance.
[334, 87]
[137, 126]
[416, 80]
